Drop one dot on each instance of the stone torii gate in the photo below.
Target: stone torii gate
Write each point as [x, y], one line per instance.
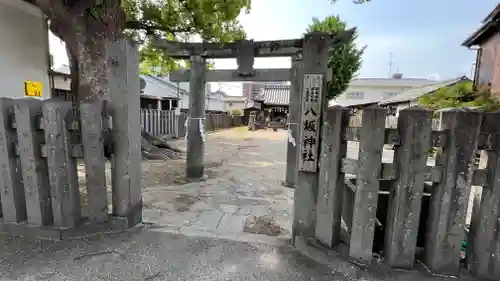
[307, 103]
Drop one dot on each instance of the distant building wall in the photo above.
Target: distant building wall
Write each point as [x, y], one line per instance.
[24, 50]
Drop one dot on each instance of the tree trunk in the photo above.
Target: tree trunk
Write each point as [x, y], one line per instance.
[86, 45]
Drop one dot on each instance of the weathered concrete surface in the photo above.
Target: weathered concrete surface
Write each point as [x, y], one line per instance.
[244, 172]
[149, 255]
[143, 254]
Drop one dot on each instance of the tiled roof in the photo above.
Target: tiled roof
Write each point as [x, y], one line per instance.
[489, 27]
[159, 88]
[415, 93]
[275, 94]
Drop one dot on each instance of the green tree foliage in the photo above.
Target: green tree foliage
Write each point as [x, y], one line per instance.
[345, 57]
[236, 112]
[209, 20]
[460, 95]
[87, 26]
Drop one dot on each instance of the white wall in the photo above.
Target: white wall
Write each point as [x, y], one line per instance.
[234, 104]
[213, 102]
[23, 49]
[61, 82]
[403, 105]
[370, 93]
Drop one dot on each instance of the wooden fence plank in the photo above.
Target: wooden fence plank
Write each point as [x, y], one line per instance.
[405, 201]
[331, 178]
[367, 184]
[449, 199]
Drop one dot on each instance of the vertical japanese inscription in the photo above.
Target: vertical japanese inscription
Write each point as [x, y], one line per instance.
[310, 122]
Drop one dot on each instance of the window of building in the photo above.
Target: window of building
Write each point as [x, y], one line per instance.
[356, 95]
[389, 95]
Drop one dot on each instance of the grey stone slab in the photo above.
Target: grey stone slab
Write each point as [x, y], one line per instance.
[208, 220]
[483, 251]
[231, 223]
[12, 196]
[450, 197]
[93, 151]
[331, 178]
[34, 167]
[63, 177]
[367, 184]
[405, 201]
[315, 61]
[125, 105]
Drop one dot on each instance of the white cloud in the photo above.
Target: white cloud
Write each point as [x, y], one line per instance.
[433, 76]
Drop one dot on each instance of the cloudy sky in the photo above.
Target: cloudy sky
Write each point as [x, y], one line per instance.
[424, 36]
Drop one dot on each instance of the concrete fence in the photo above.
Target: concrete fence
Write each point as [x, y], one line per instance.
[167, 123]
[390, 122]
[40, 144]
[408, 207]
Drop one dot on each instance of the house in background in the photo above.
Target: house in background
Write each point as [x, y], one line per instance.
[159, 92]
[60, 83]
[487, 41]
[273, 100]
[410, 97]
[234, 103]
[363, 92]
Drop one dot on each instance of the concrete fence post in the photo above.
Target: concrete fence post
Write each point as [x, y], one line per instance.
[95, 163]
[12, 196]
[331, 177]
[28, 113]
[483, 249]
[63, 177]
[367, 184]
[449, 199]
[403, 211]
[126, 131]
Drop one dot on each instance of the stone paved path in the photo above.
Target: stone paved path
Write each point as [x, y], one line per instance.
[244, 171]
[244, 174]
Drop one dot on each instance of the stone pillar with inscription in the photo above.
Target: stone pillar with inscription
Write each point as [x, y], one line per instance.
[313, 104]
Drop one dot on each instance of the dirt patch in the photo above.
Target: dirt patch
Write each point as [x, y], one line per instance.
[244, 134]
[262, 225]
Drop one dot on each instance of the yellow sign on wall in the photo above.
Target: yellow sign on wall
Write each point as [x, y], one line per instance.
[33, 89]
